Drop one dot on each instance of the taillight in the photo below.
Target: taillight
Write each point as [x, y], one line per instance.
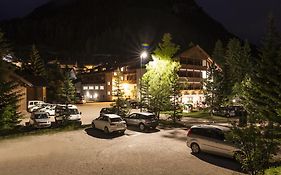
[188, 132]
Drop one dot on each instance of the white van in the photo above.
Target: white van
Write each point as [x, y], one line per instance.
[33, 103]
[69, 111]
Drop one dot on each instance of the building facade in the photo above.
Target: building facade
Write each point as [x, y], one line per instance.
[194, 65]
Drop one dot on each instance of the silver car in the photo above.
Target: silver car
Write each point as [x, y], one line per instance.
[211, 139]
[40, 120]
[143, 120]
[110, 123]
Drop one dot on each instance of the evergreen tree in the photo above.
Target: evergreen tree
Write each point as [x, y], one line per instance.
[118, 91]
[160, 75]
[9, 96]
[262, 88]
[213, 87]
[219, 53]
[67, 91]
[36, 66]
[176, 88]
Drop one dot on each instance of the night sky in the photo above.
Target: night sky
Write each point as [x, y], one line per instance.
[245, 18]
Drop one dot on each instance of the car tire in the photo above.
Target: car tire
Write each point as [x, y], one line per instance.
[195, 149]
[106, 130]
[142, 127]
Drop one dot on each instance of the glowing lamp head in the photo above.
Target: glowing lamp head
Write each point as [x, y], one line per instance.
[144, 55]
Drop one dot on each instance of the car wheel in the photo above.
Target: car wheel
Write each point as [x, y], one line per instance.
[106, 130]
[142, 127]
[195, 149]
[93, 125]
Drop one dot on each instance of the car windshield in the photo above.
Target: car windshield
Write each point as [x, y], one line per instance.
[40, 116]
[73, 111]
[115, 119]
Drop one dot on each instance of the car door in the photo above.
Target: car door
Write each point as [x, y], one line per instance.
[217, 143]
[98, 122]
[130, 119]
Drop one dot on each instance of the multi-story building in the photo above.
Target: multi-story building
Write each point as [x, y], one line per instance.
[100, 85]
[194, 65]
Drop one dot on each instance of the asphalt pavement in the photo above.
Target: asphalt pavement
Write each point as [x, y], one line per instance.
[91, 152]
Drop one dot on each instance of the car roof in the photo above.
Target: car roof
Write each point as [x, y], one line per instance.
[143, 113]
[112, 115]
[223, 128]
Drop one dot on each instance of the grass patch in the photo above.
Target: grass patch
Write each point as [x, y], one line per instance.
[28, 131]
[273, 171]
[205, 115]
[170, 123]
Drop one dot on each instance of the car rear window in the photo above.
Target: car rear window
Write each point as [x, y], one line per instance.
[116, 119]
[40, 116]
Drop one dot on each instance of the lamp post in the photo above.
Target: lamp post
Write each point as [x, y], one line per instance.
[143, 55]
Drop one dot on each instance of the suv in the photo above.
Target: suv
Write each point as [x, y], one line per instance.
[110, 123]
[142, 119]
[211, 139]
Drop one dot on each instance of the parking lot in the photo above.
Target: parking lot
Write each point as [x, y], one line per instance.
[90, 151]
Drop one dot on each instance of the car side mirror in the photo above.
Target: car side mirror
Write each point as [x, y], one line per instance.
[80, 113]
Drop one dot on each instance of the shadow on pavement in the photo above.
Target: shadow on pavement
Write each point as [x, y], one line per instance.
[136, 129]
[223, 162]
[100, 134]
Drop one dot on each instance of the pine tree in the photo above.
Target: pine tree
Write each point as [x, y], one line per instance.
[160, 75]
[262, 89]
[36, 66]
[9, 96]
[67, 91]
[118, 91]
[213, 87]
[176, 88]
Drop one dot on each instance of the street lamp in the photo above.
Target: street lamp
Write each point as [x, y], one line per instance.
[143, 55]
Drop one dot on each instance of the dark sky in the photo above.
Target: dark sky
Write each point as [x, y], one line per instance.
[245, 18]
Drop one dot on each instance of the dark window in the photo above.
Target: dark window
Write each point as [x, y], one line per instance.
[182, 73]
[217, 134]
[133, 116]
[197, 74]
[115, 119]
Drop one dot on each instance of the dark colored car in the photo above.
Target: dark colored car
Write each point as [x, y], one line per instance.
[143, 120]
[229, 111]
[112, 110]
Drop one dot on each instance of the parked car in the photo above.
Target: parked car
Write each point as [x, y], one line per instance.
[211, 139]
[135, 104]
[113, 110]
[67, 112]
[49, 109]
[39, 120]
[33, 103]
[110, 123]
[143, 120]
[229, 111]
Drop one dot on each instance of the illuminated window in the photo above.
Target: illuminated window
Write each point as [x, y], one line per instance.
[122, 78]
[91, 87]
[122, 69]
[85, 87]
[115, 74]
[108, 83]
[108, 93]
[96, 87]
[101, 87]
